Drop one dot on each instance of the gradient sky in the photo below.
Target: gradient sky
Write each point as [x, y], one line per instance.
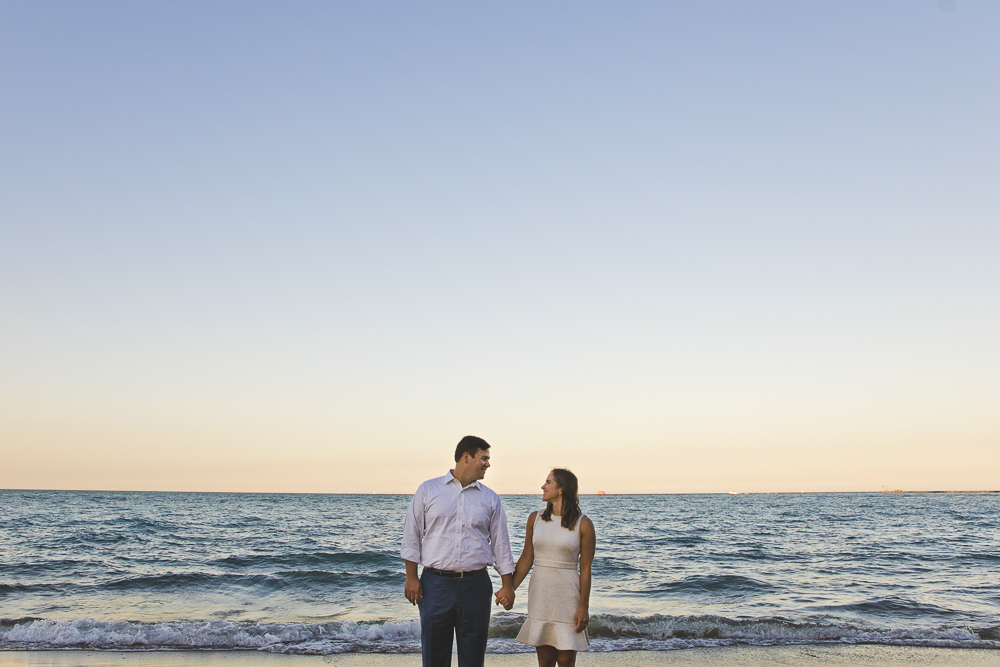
[676, 247]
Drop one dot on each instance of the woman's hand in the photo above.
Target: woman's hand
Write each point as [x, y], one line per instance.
[582, 618]
[505, 599]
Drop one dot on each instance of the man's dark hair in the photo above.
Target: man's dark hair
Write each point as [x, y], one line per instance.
[470, 444]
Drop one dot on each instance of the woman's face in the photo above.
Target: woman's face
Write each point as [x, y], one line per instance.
[550, 490]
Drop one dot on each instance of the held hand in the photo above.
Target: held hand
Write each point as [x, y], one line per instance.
[582, 618]
[413, 590]
[505, 597]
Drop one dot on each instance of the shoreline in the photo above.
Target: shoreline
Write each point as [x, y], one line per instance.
[810, 655]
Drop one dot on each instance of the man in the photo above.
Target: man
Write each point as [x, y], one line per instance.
[456, 527]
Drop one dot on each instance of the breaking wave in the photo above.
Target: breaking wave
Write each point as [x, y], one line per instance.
[607, 632]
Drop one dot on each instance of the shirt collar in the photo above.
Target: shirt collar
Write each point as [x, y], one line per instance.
[450, 477]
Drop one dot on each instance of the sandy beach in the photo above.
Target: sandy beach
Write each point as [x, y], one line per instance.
[736, 656]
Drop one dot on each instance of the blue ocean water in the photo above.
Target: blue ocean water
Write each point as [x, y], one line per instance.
[321, 573]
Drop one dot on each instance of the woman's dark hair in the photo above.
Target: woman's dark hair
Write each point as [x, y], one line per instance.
[570, 498]
[470, 444]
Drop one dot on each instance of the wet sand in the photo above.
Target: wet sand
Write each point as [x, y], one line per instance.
[734, 656]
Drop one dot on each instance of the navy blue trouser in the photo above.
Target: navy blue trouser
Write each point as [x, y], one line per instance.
[455, 608]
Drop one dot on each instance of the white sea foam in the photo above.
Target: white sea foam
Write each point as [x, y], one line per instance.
[278, 637]
[609, 633]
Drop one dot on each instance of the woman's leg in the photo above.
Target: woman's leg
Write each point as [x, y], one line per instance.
[547, 656]
[566, 658]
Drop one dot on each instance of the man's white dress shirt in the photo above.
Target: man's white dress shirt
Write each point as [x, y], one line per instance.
[451, 527]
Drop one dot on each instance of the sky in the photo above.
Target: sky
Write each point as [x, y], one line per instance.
[677, 247]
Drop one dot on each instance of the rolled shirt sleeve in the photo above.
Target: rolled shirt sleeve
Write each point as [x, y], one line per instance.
[503, 559]
[413, 527]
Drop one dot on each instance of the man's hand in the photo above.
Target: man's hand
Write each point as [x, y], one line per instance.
[413, 590]
[582, 618]
[505, 597]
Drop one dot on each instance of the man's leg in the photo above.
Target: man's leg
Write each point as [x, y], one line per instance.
[437, 619]
[472, 625]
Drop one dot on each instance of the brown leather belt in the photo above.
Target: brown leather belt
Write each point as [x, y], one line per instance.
[452, 574]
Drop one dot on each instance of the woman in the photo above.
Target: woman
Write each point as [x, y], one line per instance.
[556, 541]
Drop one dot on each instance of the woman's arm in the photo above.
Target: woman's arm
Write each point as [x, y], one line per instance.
[527, 558]
[588, 545]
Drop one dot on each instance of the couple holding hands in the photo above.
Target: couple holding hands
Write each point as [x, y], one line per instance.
[456, 527]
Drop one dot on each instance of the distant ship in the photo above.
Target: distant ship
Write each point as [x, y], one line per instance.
[601, 493]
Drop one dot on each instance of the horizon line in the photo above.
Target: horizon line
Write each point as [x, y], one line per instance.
[598, 494]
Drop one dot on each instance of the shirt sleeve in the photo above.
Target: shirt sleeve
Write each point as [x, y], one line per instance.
[503, 560]
[413, 527]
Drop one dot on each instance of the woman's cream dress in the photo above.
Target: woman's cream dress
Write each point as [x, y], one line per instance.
[554, 588]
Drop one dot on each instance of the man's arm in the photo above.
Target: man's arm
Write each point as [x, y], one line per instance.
[413, 531]
[503, 560]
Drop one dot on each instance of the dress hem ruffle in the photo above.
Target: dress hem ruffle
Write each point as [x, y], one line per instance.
[562, 636]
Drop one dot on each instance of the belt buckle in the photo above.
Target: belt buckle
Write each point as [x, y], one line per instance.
[461, 575]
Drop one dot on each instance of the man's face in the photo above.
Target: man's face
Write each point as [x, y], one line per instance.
[479, 463]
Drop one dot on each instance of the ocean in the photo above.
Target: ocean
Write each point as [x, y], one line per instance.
[321, 574]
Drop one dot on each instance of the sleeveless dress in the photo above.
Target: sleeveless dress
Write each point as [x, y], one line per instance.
[554, 588]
